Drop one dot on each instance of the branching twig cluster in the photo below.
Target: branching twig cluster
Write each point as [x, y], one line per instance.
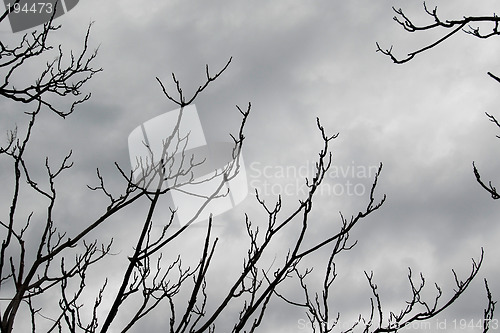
[450, 28]
[417, 309]
[57, 78]
[29, 270]
[173, 165]
[262, 285]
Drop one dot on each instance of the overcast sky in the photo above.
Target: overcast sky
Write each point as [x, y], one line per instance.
[295, 61]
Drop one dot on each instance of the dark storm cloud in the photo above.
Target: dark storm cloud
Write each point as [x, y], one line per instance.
[295, 61]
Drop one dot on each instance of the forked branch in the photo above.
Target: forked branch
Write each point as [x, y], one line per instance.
[449, 28]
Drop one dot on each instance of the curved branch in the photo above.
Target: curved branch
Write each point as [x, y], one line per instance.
[455, 25]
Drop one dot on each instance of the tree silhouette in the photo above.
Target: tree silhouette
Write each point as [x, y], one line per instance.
[62, 260]
[447, 28]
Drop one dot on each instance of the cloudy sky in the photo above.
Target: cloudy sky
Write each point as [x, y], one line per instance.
[295, 61]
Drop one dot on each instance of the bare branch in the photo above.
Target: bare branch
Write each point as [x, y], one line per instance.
[182, 100]
[396, 322]
[490, 188]
[453, 26]
[490, 309]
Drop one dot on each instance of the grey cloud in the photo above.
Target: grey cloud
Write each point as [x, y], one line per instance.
[295, 61]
